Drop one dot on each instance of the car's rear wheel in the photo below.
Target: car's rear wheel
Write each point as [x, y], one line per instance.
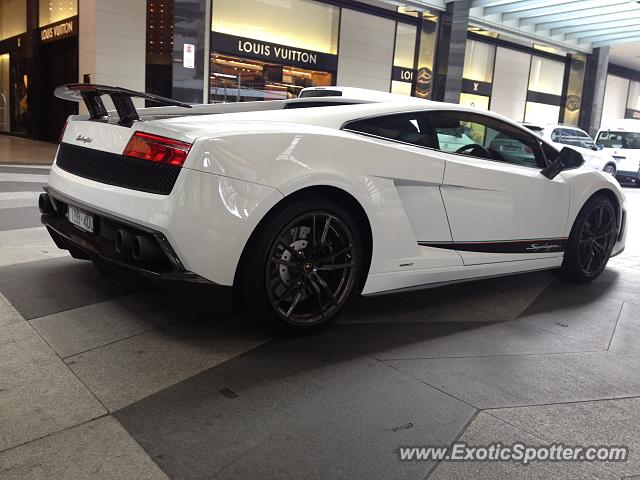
[590, 242]
[610, 169]
[302, 266]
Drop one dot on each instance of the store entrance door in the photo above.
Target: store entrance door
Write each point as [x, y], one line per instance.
[5, 94]
[59, 66]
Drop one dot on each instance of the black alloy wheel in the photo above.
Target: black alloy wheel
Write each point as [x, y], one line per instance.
[596, 239]
[591, 241]
[302, 265]
[311, 269]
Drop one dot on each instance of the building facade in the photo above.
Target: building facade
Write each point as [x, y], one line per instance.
[247, 50]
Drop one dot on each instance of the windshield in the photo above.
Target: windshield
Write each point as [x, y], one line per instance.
[620, 140]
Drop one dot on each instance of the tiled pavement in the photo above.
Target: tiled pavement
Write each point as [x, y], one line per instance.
[101, 381]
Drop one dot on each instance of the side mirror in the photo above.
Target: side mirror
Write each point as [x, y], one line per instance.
[567, 160]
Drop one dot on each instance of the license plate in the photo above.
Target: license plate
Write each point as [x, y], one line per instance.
[80, 219]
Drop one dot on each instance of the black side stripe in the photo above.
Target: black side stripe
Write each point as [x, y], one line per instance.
[547, 245]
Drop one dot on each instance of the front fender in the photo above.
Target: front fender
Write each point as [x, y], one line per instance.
[585, 183]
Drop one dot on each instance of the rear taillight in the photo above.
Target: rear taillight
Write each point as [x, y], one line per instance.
[157, 149]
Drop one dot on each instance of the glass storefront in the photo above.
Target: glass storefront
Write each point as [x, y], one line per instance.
[545, 89]
[52, 11]
[5, 94]
[411, 76]
[13, 18]
[403, 58]
[478, 61]
[477, 74]
[13, 70]
[265, 50]
[480, 102]
[237, 79]
[633, 101]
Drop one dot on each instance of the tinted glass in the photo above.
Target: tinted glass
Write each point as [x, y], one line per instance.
[623, 140]
[571, 136]
[485, 137]
[407, 127]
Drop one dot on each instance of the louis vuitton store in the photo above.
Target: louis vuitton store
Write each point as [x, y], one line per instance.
[262, 50]
[38, 51]
[265, 50]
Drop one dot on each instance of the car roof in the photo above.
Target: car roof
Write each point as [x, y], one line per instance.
[623, 124]
[330, 116]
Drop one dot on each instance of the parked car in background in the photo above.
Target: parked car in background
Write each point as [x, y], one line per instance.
[621, 138]
[560, 135]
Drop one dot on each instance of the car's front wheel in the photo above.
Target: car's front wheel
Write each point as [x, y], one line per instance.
[302, 266]
[610, 169]
[590, 242]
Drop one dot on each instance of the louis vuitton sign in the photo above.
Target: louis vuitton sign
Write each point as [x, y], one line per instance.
[272, 52]
[59, 30]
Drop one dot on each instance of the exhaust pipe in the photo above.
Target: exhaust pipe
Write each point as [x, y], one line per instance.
[44, 203]
[123, 242]
[145, 250]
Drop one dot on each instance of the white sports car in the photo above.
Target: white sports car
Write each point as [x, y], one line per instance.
[292, 207]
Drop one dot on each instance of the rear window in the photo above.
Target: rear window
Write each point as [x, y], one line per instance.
[289, 106]
[622, 140]
[320, 93]
[405, 127]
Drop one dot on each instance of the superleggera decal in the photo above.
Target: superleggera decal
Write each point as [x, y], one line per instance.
[517, 246]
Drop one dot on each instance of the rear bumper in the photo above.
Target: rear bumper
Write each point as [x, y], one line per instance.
[207, 219]
[166, 271]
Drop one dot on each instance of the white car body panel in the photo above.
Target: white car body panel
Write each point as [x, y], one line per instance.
[512, 202]
[241, 165]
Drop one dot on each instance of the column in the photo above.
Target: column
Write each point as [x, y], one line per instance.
[452, 42]
[112, 45]
[595, 79]
[191, 26]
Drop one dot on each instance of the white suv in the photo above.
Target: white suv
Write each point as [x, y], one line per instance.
[561, 136]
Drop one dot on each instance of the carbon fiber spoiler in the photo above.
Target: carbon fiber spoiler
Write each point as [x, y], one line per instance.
[91, 95]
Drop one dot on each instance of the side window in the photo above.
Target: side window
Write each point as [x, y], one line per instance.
[486, 137]
[407, 127]
[570, 137]
[577, 137]
[582, 134]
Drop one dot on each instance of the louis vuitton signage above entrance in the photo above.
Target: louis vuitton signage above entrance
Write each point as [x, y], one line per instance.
[476, 88]
[59, 30]
[273, 52]
[402, 74]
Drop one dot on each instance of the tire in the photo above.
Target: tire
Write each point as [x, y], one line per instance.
[301, 266]
[610, 169]
[591, 240]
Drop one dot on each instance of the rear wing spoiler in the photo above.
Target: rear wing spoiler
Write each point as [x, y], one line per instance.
[91, 95]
